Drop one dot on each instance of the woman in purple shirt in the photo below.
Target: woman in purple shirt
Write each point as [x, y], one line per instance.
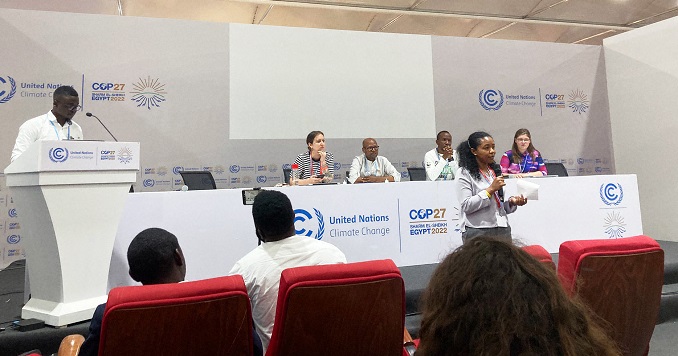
[523, 159]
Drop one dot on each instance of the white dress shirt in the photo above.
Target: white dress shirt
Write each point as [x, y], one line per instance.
[261, 269]
[44, 127]
[380, 167]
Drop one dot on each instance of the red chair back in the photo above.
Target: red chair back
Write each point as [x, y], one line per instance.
[340, 309]
[206, 317]
[621, 280]
[541, 255]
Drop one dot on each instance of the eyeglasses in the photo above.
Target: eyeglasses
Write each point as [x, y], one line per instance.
[75, 107]
[372, 148]
[523, 139]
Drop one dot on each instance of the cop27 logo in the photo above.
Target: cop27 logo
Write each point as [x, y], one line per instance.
[58, 154]
[491, 99]
[5, 96]
[611, 193]
[301, 216]
[125, 155]
[148, 92]
[614, 225]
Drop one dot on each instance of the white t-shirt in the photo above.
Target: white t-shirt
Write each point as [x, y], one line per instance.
[261, 269]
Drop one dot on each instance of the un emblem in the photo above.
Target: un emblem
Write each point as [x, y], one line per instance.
[301, 216]
[611, 193]
[5, 95]
[491, 99]
[13, 239]
[58, 154]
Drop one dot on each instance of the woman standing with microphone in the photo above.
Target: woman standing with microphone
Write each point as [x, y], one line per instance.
[480, 190]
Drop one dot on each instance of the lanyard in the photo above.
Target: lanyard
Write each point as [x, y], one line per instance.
[489, 180]
[68, 137]
[375, 166]
[445, 172]
[320, 165]
[524, 166]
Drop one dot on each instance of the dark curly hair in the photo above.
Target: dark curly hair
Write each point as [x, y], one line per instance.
[466, 158]
[492, 298]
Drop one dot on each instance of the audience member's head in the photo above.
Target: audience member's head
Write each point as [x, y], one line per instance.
[491, 298]
[273, 216]
[154, 257]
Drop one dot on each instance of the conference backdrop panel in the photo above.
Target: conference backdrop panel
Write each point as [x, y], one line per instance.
[239, 100]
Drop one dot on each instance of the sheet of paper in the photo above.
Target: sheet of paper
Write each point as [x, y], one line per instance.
[528, 189]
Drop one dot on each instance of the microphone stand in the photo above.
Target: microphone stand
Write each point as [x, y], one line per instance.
[102, 124]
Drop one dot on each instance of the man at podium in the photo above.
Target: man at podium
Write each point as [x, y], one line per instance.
[54, 125]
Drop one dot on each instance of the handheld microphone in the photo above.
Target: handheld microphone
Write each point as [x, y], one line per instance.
[497, 171]
[102, 124]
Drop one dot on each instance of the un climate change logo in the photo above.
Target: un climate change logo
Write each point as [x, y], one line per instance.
[488, 99]
[261, 179]
[611, 193]
[5, 96]
[58, 154]
[301, 216]
[177, 169]
[148, 183]
[234, 168]
[13, 239]
[12, 213]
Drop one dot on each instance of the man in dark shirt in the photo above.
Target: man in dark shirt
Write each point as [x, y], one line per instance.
[154, 257]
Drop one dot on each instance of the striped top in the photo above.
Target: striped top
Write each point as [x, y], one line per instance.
[304, 161]
[527, 164]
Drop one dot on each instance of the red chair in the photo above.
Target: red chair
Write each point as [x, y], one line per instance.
[540, 254]
[206, 317]
[341, 309]
[621, 281]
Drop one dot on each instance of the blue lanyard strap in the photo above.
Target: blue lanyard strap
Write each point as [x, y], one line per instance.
[374, 166]
[68, 137]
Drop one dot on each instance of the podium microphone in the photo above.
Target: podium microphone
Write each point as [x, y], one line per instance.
[497, 172]
[102, 124]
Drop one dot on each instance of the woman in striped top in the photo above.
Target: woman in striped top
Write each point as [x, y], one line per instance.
[316, 163]
[523, 159]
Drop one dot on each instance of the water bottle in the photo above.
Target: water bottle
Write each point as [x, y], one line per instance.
[294, 176]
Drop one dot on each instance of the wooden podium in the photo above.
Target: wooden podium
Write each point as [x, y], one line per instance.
[69, 197]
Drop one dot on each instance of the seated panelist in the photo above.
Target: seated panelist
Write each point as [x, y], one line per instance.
[316, 165]
[440, 163]
[523, 159]
[369, 167]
